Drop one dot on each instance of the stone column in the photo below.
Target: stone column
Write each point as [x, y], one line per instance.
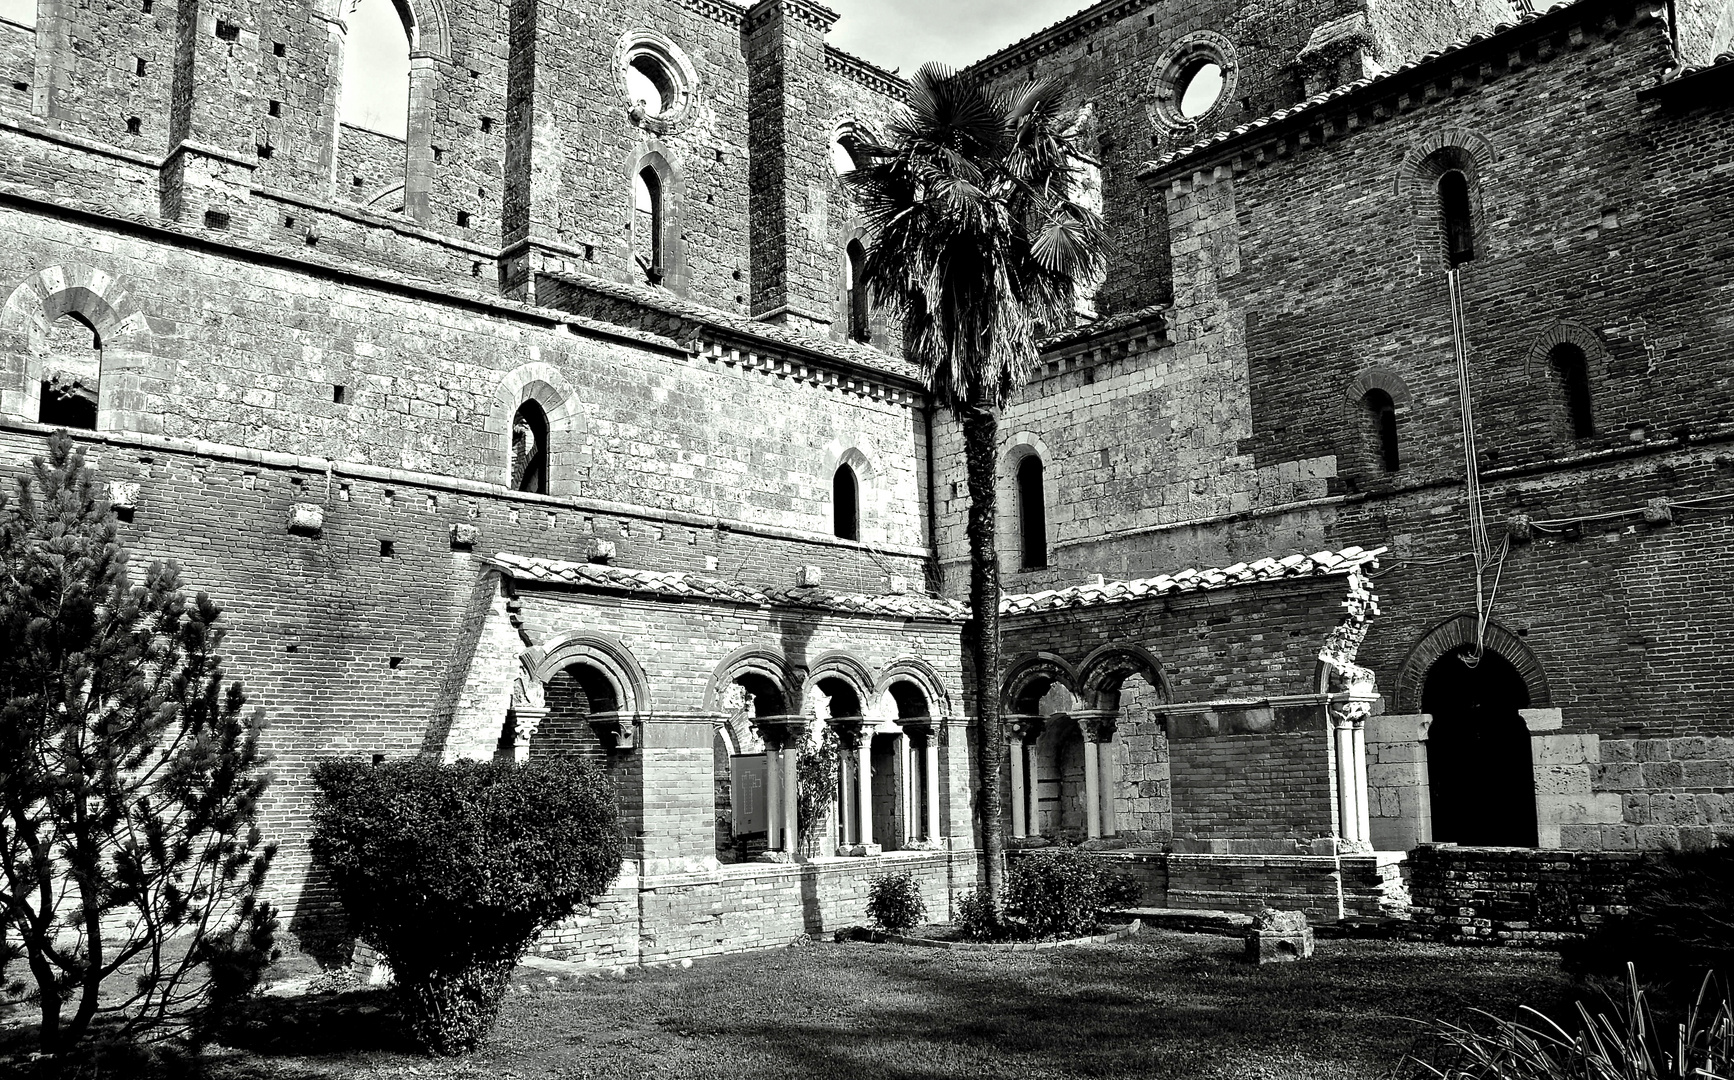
[850, 734]
[791, 799]
[864, 787]
[1351, 781]
[1098, 728]
[1020, 732]
[1358, 762]
[773, 794]
[931, 775]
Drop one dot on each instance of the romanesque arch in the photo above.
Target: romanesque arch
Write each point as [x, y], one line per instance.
[545, 385]
[612, 659]
[839, 667]
[1455, 634]
[919, 674]
[1102, 672]
[1031, 677]
[1427, 162]
[756, 664]
[129, 392]
[1026, 502]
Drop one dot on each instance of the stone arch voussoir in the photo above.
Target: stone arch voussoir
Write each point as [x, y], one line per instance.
[1102, 672]
[753, 660]
[130, 391]
[1031, 670]
[1453, 634]
[837, 664]
[606, 655]
[922, 675]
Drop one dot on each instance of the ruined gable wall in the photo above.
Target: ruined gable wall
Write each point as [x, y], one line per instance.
[249, 356]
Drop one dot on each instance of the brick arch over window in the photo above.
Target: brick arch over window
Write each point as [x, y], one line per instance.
[1359, 421]
[1539, 364]
[1032, 676]
[1563, 332]
[1426, 163]
[654, 157]
[544, 384]
[846, 667]
[910, 669]
[1102, 672]
[612, 659]
[130, 386]
[1453, 634]
[753, 660]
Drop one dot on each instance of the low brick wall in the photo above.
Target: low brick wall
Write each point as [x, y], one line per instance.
[745, 906]
[1327, 887]
[1515, 896]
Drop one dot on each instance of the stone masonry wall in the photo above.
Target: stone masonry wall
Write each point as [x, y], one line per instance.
[1512, 896]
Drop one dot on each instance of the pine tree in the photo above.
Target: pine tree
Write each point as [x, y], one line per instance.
[129, 776]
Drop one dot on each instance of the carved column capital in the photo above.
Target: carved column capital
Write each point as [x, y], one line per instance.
[782, 732]
[849, 730]
[616, 730]
[1098, 727]
[1021, 727]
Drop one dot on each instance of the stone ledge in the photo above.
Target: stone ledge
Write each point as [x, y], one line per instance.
[1013, 946]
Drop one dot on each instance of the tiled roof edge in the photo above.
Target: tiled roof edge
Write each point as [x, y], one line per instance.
[1318, 564]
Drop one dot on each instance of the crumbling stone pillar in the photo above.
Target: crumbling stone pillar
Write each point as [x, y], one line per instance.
[208, 177]
[1399, 806]
[789, 140]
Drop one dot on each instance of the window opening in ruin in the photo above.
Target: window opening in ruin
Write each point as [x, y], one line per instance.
[530, 449]
[1457, 222]
[1032, 513]
[375, 92]
[1480, 762]
[845, 504]
[1201, 89]
[1382, 412]
[843, 699]
[70, 374]
[573, 696]
[763, 697]
[843, 160]
[650, 85]
[22, 12]
[859, 327]
[1572, 369]
[647, 224]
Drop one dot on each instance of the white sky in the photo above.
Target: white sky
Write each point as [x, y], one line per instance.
[908, 33]
[19, 11]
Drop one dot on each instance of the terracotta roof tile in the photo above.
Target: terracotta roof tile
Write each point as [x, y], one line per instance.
[1318, 564]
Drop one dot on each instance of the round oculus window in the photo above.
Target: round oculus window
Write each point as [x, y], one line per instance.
[649, 84]
[657, 80]
[1201, 89]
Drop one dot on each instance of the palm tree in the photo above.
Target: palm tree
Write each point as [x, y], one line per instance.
[975, 240]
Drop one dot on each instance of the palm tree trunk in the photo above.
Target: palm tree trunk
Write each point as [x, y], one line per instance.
[980, 447]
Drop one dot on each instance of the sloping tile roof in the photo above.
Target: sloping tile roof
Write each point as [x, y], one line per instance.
[1320, 564]
[619, 579]
[905, 605]
[1317, 101]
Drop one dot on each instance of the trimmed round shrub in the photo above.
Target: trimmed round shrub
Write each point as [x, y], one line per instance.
[976, 918]
[894, 903]
[451, 871]
[1679, 922]
[1063, 893]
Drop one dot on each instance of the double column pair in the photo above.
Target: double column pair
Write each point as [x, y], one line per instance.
[1349, 735]
[1098, 729]
[782, 736]
[857, 766]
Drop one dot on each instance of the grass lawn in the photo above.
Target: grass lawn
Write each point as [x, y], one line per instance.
[1159, 1007]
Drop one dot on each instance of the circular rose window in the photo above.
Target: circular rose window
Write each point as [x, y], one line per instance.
[656, 79]
[1193, 83]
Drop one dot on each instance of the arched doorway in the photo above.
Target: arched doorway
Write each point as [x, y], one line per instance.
[1480, 767]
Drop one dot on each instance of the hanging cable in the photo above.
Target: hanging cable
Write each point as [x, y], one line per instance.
[1478, 542]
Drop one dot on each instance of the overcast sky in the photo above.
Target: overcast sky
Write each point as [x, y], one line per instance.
[908, 33]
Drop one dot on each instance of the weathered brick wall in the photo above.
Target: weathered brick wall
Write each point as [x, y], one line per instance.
[750, 905]
[1512, 896]
[1327, 887]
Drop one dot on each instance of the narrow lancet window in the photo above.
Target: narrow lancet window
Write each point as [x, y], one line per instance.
[530, 449]
[375, 92]
[647, 225]
[859, 328]
[1572, 370]
[1382, 413]
[1457, 221]
[845, 504]
[1032, 513]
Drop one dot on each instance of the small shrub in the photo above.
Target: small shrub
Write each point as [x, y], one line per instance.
[1679, 922]
[451, 871]
[1063, 894]
[977, 919]
[894, 903]
[1615, 1042]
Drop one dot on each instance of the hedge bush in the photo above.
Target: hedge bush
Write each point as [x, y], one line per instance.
[1679, 922]
[976, 918]
[1063, 893]
[894, 902]
[451, 871]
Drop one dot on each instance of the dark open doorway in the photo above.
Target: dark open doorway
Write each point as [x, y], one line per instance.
[1480, 768]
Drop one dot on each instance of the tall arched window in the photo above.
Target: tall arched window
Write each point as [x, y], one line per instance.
[70, 374]
[530, 449]
[647, 224]
[1571, 368]
[375, 92]
[1032, 513]
[1456, 219]
[1382, 418]
[859, 327]
[845, 504]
